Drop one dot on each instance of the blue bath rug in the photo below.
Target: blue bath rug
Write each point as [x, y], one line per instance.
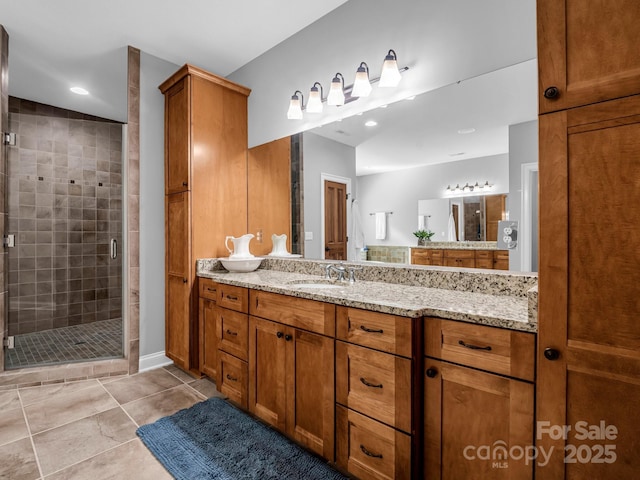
[214, 440]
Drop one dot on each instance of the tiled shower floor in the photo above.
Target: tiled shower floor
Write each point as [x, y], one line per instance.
[77, 343]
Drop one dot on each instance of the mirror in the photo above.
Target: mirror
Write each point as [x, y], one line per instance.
[461, 133]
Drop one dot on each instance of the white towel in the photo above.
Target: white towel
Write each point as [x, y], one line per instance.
[357, 234]
[381, 225]
[451, 230]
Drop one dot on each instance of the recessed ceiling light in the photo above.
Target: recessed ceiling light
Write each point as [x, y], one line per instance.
[79, 90]
[466, 131]
[371, 123]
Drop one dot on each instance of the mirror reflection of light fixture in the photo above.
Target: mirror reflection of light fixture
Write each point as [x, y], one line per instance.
[295, 106]
[468, 187]
[336, 93]
[314, 105]
[361, 85]
[390, 76]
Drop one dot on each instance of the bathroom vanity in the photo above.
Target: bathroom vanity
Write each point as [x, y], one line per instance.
[376, 375]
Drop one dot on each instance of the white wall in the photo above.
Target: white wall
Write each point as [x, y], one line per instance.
[153, 71]
[435, 215]
[523, 148]
[400, 192]
[320, 155]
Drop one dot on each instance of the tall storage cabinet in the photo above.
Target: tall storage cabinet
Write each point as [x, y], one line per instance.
[589, 336]
[205, 188]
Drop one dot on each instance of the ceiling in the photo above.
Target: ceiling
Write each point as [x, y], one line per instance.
[58, 44]
[54, 45]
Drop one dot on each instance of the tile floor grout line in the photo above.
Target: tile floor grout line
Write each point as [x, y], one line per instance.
[123, 409]
[33, 445]
[66, 393]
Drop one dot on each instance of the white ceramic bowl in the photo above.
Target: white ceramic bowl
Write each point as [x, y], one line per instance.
[241, 264]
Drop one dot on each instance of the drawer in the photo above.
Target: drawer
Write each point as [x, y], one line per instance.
[208, 288]
[232, 331]
[374, 383]
[318, 317]
[484, 263]
[380, 331]
[460, 254]
[484, 254]
[231, 378]
[369, 449]
[233, 298]
[436, 253]
[496, 350]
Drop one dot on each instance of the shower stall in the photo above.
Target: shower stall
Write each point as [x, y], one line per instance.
[65, 212]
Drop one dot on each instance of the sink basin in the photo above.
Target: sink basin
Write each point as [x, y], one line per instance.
[317, 284]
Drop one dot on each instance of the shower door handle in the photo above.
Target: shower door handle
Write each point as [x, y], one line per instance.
[114, 248]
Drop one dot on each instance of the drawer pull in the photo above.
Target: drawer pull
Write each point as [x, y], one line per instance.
[233, 379]
[287, 337]
[229, 332]
[474, 347]
[209, 289]
[372, 385]
[232, 297]
[368, 453]
[370, 330]
[279, 334]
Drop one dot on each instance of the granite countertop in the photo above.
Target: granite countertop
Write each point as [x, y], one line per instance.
[461, 245]
[503, 311]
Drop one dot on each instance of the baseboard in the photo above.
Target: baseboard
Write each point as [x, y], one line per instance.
[153, 360]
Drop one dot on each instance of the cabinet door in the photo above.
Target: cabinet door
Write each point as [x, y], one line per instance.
[471, 415]
[501, 260]
[589, 334]
[267, 371]
[178, 268]
[208, 338]
[310, 391]
[586, 49]
[177, 137]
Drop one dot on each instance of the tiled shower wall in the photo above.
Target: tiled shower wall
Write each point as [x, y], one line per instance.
[65, 206]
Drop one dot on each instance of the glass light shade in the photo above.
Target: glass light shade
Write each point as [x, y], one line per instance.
[295, 109]
[390, 76]
[336, 94]
[361, 85]
[314, 105]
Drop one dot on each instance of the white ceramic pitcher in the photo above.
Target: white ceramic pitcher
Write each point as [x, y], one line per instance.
[279, 244]
[240, 246]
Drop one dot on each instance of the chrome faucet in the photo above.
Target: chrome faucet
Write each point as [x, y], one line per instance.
[339, 268]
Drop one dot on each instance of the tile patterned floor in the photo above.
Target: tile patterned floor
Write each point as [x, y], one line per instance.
[89, 341]
[86, 430]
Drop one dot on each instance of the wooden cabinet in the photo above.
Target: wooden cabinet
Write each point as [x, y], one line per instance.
[586, 51]
[291, 373]
[208, 337]
[269, 183]
[206, 191]
[461, 258]
[469, 412]
[426, 256]
[589, 336]
[375, 430]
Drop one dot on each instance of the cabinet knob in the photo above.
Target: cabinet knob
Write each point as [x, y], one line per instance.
[184, 280]
[431, 372]
[551, 354]
[279, 334]
[184, 184]
[287, 337]
[551, 92]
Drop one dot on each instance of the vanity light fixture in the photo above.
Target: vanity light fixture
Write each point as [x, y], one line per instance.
[339, 94]
[314, 105]
[361, 85]
[336, 92]
[390, 76]
[469, 187]
[295, 106]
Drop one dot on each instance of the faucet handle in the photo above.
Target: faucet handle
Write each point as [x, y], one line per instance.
[352, 273]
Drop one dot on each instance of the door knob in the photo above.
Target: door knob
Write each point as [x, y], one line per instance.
[551, 92]
[551, 354]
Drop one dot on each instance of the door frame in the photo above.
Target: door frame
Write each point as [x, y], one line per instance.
[347, 182]
[526, 239]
